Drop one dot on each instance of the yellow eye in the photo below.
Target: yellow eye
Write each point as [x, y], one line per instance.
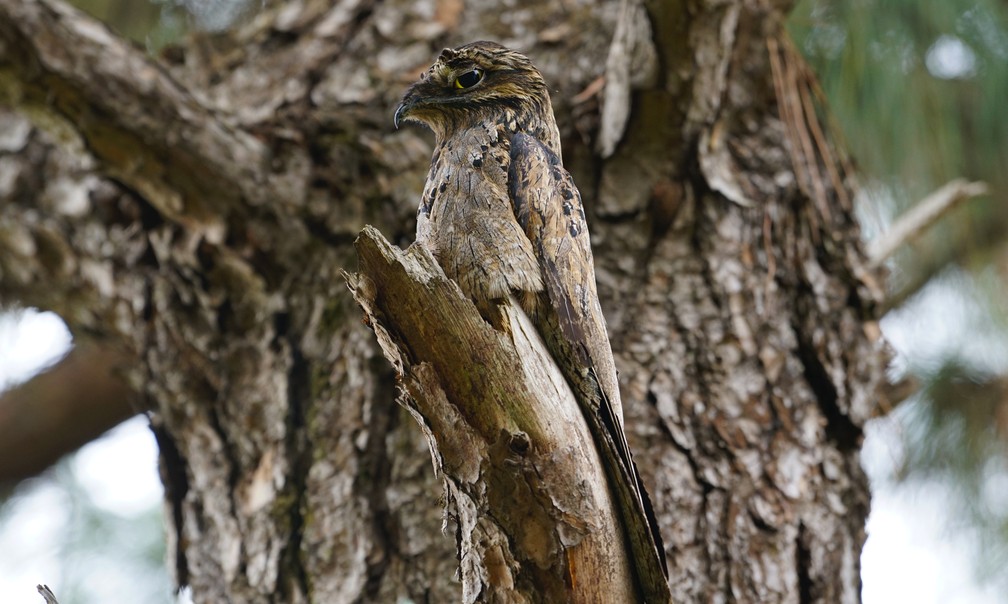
[469, 79]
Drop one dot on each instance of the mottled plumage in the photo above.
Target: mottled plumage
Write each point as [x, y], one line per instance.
[503, 217]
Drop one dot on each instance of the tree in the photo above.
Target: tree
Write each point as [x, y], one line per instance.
[929, 75]
[193, 213]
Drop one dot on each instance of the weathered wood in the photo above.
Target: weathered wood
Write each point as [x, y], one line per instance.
[508, 439]
[738, 300]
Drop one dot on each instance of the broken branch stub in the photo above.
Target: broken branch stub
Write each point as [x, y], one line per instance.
[522, 477]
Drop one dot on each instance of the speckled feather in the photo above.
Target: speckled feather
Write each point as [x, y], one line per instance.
[548, 206]
[502, 216]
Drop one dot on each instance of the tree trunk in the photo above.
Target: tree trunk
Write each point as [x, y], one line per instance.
[195, 213]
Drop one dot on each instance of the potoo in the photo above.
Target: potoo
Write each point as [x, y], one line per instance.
[503, 218]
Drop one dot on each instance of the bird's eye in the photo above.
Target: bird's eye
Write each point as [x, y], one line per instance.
[469, 79]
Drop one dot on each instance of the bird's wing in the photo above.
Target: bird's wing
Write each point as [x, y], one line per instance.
[548, 207]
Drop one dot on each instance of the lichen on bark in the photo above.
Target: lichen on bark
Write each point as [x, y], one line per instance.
[222, 187]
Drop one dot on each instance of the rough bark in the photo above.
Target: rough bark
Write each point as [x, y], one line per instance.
[195, 212]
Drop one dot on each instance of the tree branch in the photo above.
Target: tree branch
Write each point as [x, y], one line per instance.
[287, 474]
[925, 213]
[148, 131]
[47, 593]
[61, 409]
[505, 432]
[957, 246]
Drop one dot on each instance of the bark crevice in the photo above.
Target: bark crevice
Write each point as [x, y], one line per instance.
[839, 427]
[299, 449]
[176, 484]
[198, 211]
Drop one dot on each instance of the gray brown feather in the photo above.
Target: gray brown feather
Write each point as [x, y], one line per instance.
[548, 206]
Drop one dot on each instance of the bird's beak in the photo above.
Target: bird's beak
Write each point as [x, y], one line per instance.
[402, 111]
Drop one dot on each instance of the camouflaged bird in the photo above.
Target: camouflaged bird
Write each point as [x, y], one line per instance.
[502, 217]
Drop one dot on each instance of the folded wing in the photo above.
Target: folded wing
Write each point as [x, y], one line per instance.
[548, 207]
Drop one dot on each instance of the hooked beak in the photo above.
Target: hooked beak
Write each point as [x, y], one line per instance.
[402, 111]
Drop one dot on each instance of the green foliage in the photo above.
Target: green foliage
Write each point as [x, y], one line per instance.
[919, 88]
[158, 23]
[85, 552]
[126, 552]
[152, 24]
[920, 91]
[956, 432]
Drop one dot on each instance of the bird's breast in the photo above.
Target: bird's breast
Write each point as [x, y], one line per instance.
[467, 221]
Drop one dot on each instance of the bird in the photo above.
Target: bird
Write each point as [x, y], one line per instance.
[503, 218]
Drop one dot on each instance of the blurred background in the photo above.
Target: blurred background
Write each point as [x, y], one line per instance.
[919, 91]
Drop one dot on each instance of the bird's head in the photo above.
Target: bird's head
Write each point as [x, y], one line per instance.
[467, 82]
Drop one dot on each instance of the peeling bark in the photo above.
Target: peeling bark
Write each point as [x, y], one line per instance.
[195, 212]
